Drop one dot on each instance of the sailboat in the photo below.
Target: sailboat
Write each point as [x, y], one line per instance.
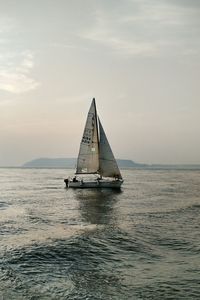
[95, 157]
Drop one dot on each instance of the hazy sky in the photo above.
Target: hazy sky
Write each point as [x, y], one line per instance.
[140, 59]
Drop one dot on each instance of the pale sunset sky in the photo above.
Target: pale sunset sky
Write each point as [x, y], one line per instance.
[140, 59]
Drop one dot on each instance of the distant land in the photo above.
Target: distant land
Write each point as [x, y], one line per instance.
[70, 163]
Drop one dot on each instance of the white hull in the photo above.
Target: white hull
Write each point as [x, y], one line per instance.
[115, 184]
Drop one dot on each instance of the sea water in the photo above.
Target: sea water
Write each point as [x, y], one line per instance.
[142, 242]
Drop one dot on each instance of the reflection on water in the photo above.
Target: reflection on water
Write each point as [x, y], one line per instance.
[96, 206]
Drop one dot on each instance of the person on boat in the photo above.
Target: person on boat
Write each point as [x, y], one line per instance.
[66, 181]
[116, 177]
[74, 179]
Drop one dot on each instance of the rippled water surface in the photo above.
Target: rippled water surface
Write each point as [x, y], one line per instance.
[140, 243]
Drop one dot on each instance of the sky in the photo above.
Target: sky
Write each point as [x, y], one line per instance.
[140, 59]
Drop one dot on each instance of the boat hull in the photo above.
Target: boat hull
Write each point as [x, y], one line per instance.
[115, 184]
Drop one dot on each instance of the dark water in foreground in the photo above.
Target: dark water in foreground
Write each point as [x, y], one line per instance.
[140, 243]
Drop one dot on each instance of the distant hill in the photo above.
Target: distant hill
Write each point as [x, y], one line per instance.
[173, 167]
[51, 163]
[70, 163]
[127, 163]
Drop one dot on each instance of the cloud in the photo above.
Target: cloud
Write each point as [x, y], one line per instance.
[157, 12]
[144, 28]
[16, 83]
[15, 73]
[118, 44]
[15, 65]
[6, 24]
[107, 32]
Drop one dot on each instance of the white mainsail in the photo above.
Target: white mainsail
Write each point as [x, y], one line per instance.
[107, 164]
[88, 158]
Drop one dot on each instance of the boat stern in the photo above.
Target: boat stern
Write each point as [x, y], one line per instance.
[66, 182]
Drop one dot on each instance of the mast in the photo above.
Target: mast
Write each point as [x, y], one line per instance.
[97, 126]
